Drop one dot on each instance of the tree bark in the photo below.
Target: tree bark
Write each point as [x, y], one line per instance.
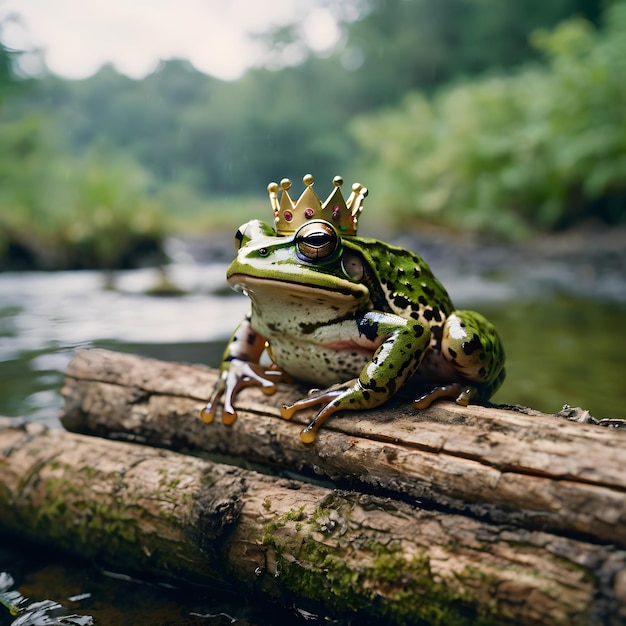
[529, 469]
[363, 556]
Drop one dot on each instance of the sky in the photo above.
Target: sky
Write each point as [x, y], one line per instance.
[77, 37]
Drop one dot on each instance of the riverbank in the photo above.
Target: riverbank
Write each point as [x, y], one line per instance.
[587, 261]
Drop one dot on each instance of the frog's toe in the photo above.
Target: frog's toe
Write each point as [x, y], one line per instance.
[462, 393]
[228, 417]
[308, 434]
[253, 374]
[465, 395]
[207, 415]
[287, 411]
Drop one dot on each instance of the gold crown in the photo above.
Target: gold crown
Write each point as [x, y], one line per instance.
[290, 215]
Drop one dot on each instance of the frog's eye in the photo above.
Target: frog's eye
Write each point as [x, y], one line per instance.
[316, 241]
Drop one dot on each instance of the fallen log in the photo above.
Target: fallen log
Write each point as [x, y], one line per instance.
[532, 470]
[367, 557]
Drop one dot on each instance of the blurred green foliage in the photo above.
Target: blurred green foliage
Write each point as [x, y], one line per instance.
[543, 148]
[232, 138]
[59, 211]
[94, 171]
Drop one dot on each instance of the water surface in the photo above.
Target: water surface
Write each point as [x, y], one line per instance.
[561, 348]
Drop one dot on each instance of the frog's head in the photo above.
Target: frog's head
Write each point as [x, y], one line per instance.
[312, 262]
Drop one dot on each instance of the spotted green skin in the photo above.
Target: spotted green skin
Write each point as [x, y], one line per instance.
[368, 318]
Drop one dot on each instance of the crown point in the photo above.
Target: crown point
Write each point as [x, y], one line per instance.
[290, 215]
[359, 190]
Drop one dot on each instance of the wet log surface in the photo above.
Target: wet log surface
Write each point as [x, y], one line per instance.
[448, 516]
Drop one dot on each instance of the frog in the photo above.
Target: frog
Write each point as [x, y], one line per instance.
[353, 317]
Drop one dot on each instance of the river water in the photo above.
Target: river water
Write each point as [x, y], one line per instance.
[561, 323]
[45, 317]
[562, 331]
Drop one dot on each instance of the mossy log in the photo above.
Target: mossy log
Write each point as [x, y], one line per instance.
[529, 469]
[367, 557]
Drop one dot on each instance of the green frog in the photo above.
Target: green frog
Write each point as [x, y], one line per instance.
[354, 315]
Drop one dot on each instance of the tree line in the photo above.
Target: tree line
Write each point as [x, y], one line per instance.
[422, 98]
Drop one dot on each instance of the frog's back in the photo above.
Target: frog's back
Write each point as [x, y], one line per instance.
[407, 284]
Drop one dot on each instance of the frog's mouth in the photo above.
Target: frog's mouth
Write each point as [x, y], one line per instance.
[266, 287]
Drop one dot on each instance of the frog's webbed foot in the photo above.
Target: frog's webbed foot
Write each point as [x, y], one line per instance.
[234, 377]
[317, 397]
[462, 393]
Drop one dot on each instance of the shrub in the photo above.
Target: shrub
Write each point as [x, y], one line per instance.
[59, 211]
[540, 149]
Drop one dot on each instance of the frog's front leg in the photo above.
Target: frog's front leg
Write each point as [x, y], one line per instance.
[470, 344]
[399, 345]
[240, 368]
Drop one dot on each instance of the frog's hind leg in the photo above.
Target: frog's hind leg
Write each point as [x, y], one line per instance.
[470, 344]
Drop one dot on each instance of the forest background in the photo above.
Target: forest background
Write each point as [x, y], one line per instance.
[503, 118]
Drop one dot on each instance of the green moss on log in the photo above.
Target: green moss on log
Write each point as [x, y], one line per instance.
[101, 525]
[388, 587]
